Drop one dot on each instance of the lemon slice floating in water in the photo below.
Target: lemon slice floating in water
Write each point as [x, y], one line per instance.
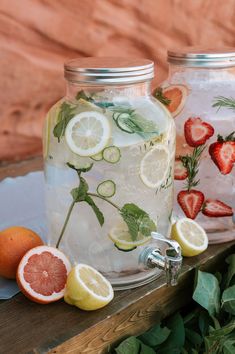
[88, 133]
[154, 166]
[191, 237]
[87, 289]
[123, 240]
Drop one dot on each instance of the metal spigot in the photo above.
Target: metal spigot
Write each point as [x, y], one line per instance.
[170, 262]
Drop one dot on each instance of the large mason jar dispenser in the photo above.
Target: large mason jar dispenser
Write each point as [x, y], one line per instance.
[200, 93]
[109, 149]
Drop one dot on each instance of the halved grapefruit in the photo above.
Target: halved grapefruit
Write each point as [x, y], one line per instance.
[177, 95]
[42, 274]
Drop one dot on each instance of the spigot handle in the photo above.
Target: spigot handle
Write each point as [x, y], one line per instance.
[173, 244]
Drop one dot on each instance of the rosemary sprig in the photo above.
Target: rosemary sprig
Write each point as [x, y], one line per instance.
[191, 163]
[224, 102]
[158, 94]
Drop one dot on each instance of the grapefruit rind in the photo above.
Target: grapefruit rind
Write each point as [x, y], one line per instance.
[184, 90]
[25, 286]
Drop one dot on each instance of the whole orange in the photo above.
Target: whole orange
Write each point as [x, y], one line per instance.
[15, 241]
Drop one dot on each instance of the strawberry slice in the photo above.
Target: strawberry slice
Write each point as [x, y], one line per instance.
[197, 132]
[223, 155]
[190, 202]
[216, 208]
[181, 172]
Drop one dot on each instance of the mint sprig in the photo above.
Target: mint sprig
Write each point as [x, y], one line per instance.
[66, 113]
[137, 220]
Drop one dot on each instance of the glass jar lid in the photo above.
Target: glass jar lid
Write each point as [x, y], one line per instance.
[109, 70]
[202, 57]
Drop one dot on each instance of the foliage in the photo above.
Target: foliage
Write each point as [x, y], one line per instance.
[208, 329]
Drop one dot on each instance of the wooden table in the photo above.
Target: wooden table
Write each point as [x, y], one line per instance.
[27, 327]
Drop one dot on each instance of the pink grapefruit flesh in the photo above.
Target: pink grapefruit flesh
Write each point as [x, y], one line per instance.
[177, 95]
[42, 274]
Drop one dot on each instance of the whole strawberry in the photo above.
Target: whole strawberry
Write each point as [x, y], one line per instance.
[222, 152]
[197, 132]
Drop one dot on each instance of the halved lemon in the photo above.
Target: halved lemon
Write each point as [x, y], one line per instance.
[87, 289]
[123, 240]
[88, 133]
[191, 237]
[154, 166]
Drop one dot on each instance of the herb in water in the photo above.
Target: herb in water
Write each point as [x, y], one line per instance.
[224, 102]
[137, 220]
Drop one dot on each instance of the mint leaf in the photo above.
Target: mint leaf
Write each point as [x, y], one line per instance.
[96, 210]
[137, 220]
[228, 300]
[82, 95]
[79, 170]
[66, 113]
[207, 292]
[155, 335]
[79, 194]
[158, 94]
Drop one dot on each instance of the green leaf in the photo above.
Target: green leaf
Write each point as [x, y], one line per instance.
[229, 346]
[223, 331]
[207, 292]
[155, 335]
[137, 220]
[80, 170]
[176, 338]
[204, 322]
[82, 95]
[158, 94]
[66, 113]
[193, 337]
[98, 213]
[228, 300]
[79, 193]
[231, 269]
[132, 345]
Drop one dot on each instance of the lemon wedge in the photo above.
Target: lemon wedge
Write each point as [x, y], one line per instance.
[88, 133]
[87, 289]
[154, 166]
[191, 237]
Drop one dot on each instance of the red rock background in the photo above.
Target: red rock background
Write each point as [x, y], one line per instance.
[37, 36]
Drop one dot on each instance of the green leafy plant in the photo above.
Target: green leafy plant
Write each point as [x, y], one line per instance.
[208, 329]
[137, 220]
[224, 102]
[66, 113]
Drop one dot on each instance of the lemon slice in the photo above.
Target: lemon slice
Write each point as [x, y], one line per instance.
[154, 166]
[87, 289]
[123, 240]
[88, 133]
[191, 237]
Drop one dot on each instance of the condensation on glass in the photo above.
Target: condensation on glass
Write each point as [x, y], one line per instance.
[109, 150]
[201, 90]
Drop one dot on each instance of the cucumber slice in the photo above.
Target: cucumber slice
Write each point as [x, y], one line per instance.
[111, 154]
[106, 189]
[124, 248]
[97, 157]
[123, 122]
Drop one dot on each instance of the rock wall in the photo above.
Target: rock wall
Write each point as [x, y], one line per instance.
[37, 36]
